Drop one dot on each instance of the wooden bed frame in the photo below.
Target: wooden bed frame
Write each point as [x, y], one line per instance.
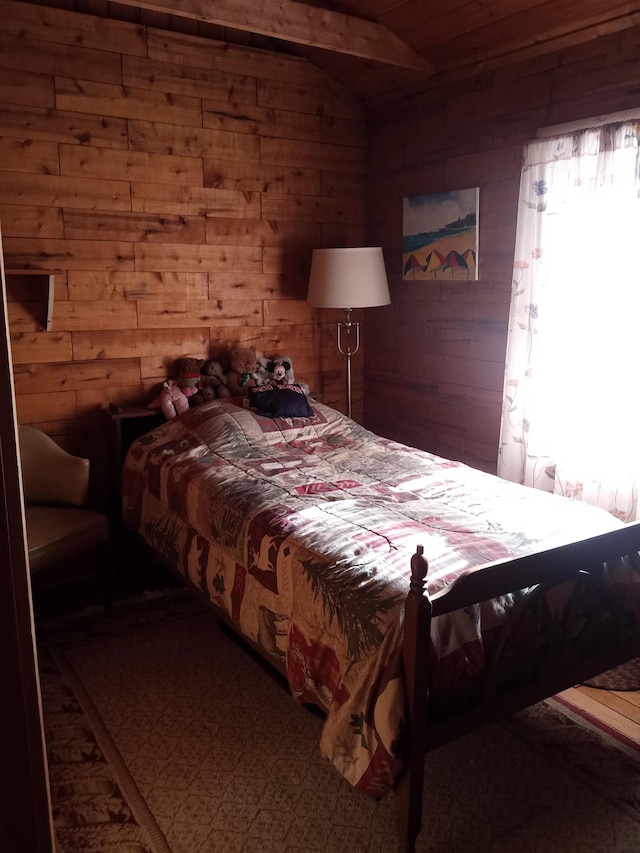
[569, 656]
[578, 651]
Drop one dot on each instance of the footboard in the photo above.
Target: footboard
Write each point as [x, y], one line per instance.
[594, 635]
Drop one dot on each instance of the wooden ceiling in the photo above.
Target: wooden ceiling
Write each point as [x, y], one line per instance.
[379, 46]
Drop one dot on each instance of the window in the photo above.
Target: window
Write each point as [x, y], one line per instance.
[572, 392]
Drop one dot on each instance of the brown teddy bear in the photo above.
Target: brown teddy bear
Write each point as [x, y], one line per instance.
[212, 384]
[242, 370]
[202, 395]
[212, 375]
[189, 374]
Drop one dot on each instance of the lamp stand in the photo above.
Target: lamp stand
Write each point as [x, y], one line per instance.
[349, 326]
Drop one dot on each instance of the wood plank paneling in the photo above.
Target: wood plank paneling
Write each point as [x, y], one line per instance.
[446, 340]
[58, 191]
[243, 118]
[496, 102]
[199, 142]
[40, 347]
[139, 343]
[248, 232]
[70, 28]
[181, 257]
[168, 286]
[181, 182]
[73, 316]
[334, 234]
[318, 155]
[58, 405]
[23, 221]
[28, 155]
[296, 259]
[27, 89]
[219, 312]
[45, 378]
[45, 254]
[231, 58]
[72, 128]
[195, 201]
[134, 227]
[345, 184]
[312, 209]
[290, 312]
[262, 178]
[57, 60]
[23, 317]
[340, 131]
[324, 100]
[130, 165]
[188, 80]
[106, 99]
[249, 286]
[177, 186]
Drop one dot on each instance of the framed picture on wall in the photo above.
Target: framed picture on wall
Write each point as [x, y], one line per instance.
[440, 236]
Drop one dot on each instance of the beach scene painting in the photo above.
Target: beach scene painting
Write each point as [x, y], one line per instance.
[440, 236]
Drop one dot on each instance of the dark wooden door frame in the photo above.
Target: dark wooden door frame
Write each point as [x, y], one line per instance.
[25, 809]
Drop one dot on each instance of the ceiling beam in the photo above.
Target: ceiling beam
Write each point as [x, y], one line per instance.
[528, 47]
[296, 22]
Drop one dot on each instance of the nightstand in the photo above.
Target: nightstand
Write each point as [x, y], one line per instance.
[126, 423]
[135, 569]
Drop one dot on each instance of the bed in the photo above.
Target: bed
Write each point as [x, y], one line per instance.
[410, 597]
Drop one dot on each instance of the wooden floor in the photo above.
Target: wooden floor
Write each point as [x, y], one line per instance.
[619, 710]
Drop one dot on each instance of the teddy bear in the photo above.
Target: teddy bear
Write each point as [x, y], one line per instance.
[212, 375]
[212, 383]
[242, 373]
[261, 372]
[189, 374]
[202, 395]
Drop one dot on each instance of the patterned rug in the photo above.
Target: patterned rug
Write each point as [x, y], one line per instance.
[623, 678]
[164, 736]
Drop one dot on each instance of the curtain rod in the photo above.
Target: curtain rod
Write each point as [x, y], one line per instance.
[583, 124]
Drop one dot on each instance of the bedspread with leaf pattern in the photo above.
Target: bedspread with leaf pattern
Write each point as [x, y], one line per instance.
[302, 531]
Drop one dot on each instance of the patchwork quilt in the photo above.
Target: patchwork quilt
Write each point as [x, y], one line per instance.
[302, 531]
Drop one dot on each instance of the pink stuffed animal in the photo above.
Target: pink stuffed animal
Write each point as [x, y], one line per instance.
[173, 399]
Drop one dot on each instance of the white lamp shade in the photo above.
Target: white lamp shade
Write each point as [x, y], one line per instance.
[348, 278]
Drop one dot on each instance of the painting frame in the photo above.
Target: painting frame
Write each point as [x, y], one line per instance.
[440, 236]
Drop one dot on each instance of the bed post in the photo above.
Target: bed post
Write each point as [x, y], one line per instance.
[415, 657]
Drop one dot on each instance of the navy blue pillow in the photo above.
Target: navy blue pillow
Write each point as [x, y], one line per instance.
[282, 403]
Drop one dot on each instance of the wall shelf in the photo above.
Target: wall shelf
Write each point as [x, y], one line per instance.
[34, 291]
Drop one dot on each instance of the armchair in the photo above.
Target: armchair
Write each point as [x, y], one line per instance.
[55, 485]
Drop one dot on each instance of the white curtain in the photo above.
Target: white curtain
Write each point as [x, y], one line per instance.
[571, 415]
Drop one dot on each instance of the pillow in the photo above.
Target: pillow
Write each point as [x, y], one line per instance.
[286, 402]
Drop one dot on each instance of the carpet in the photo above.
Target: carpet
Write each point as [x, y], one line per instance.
[623, 678]
[164, 736]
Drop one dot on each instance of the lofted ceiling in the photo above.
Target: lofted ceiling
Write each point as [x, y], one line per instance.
[377, 46]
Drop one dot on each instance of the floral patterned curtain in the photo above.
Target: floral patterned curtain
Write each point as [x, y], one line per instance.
[571, 414]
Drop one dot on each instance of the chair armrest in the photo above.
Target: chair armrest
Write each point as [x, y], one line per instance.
[49, 473]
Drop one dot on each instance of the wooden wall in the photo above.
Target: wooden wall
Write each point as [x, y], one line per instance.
[435, 357]
[176, 186]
